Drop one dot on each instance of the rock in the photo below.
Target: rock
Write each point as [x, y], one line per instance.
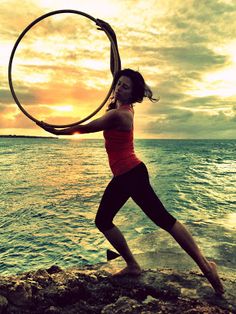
[41, 273]
[54, 269]
[5, 285]
[64, 296]
[20, 294]
[52, 310]
[86, 291]
[123, 305]
[3, 304]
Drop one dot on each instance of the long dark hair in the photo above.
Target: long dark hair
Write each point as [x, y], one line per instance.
[140, 88]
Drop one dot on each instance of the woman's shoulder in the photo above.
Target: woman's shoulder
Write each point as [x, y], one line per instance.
[125, 113]
[125, 118]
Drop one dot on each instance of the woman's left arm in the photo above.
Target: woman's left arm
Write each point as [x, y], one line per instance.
[110, 30]
[109, 120]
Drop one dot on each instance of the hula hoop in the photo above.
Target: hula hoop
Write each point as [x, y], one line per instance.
[114, 51]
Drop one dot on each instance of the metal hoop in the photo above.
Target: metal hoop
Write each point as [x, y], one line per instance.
[114, 51]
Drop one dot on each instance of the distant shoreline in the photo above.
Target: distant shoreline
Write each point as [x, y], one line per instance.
[94, 138]
[28, 136]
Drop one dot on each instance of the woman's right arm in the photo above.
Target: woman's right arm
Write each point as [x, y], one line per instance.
[109, 120]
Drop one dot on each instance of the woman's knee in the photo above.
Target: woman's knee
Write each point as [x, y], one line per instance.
[168, 223]
[102, 224]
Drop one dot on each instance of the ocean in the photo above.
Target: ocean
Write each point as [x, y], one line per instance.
[51, 188]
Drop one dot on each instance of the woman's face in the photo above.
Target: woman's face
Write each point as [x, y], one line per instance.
[123, 90]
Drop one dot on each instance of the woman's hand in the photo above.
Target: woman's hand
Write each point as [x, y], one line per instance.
[48, 128]
[107, 27]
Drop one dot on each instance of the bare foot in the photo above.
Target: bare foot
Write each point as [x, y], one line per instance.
[214, 279]
[129, 270]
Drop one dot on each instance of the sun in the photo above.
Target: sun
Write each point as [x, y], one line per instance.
[76, 136]
[63, 108]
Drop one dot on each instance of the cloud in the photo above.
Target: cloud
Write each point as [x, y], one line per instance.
[186, 124]
[14, 20]
[192, 58]
[185, 52]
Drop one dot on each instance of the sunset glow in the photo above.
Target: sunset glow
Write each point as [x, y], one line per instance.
[61, 69]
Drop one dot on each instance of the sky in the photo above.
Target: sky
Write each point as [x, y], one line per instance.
[186, 51]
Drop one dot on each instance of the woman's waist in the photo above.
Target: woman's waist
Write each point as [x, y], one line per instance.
[122, 165]
[115, 156]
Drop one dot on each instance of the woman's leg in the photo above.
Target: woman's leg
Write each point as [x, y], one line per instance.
[147, 199]
[113, 199]
[186, 241]
[117, 240]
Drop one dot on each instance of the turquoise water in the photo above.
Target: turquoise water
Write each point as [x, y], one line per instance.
[50, 191]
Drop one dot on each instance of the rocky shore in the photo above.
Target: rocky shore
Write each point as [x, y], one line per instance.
[94, 290]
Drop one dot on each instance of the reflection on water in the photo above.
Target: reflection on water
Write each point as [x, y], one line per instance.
[228, 221]
[50, 191]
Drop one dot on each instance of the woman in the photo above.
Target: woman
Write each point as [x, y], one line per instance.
[131, 177]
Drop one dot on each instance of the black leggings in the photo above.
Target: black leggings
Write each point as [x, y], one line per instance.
[135, 184]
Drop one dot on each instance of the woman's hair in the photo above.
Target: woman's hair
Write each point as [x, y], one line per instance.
[139, 88]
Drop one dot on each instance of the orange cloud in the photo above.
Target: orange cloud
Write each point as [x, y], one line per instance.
[65, 62]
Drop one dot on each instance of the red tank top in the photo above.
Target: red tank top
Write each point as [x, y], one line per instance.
[120, 149]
